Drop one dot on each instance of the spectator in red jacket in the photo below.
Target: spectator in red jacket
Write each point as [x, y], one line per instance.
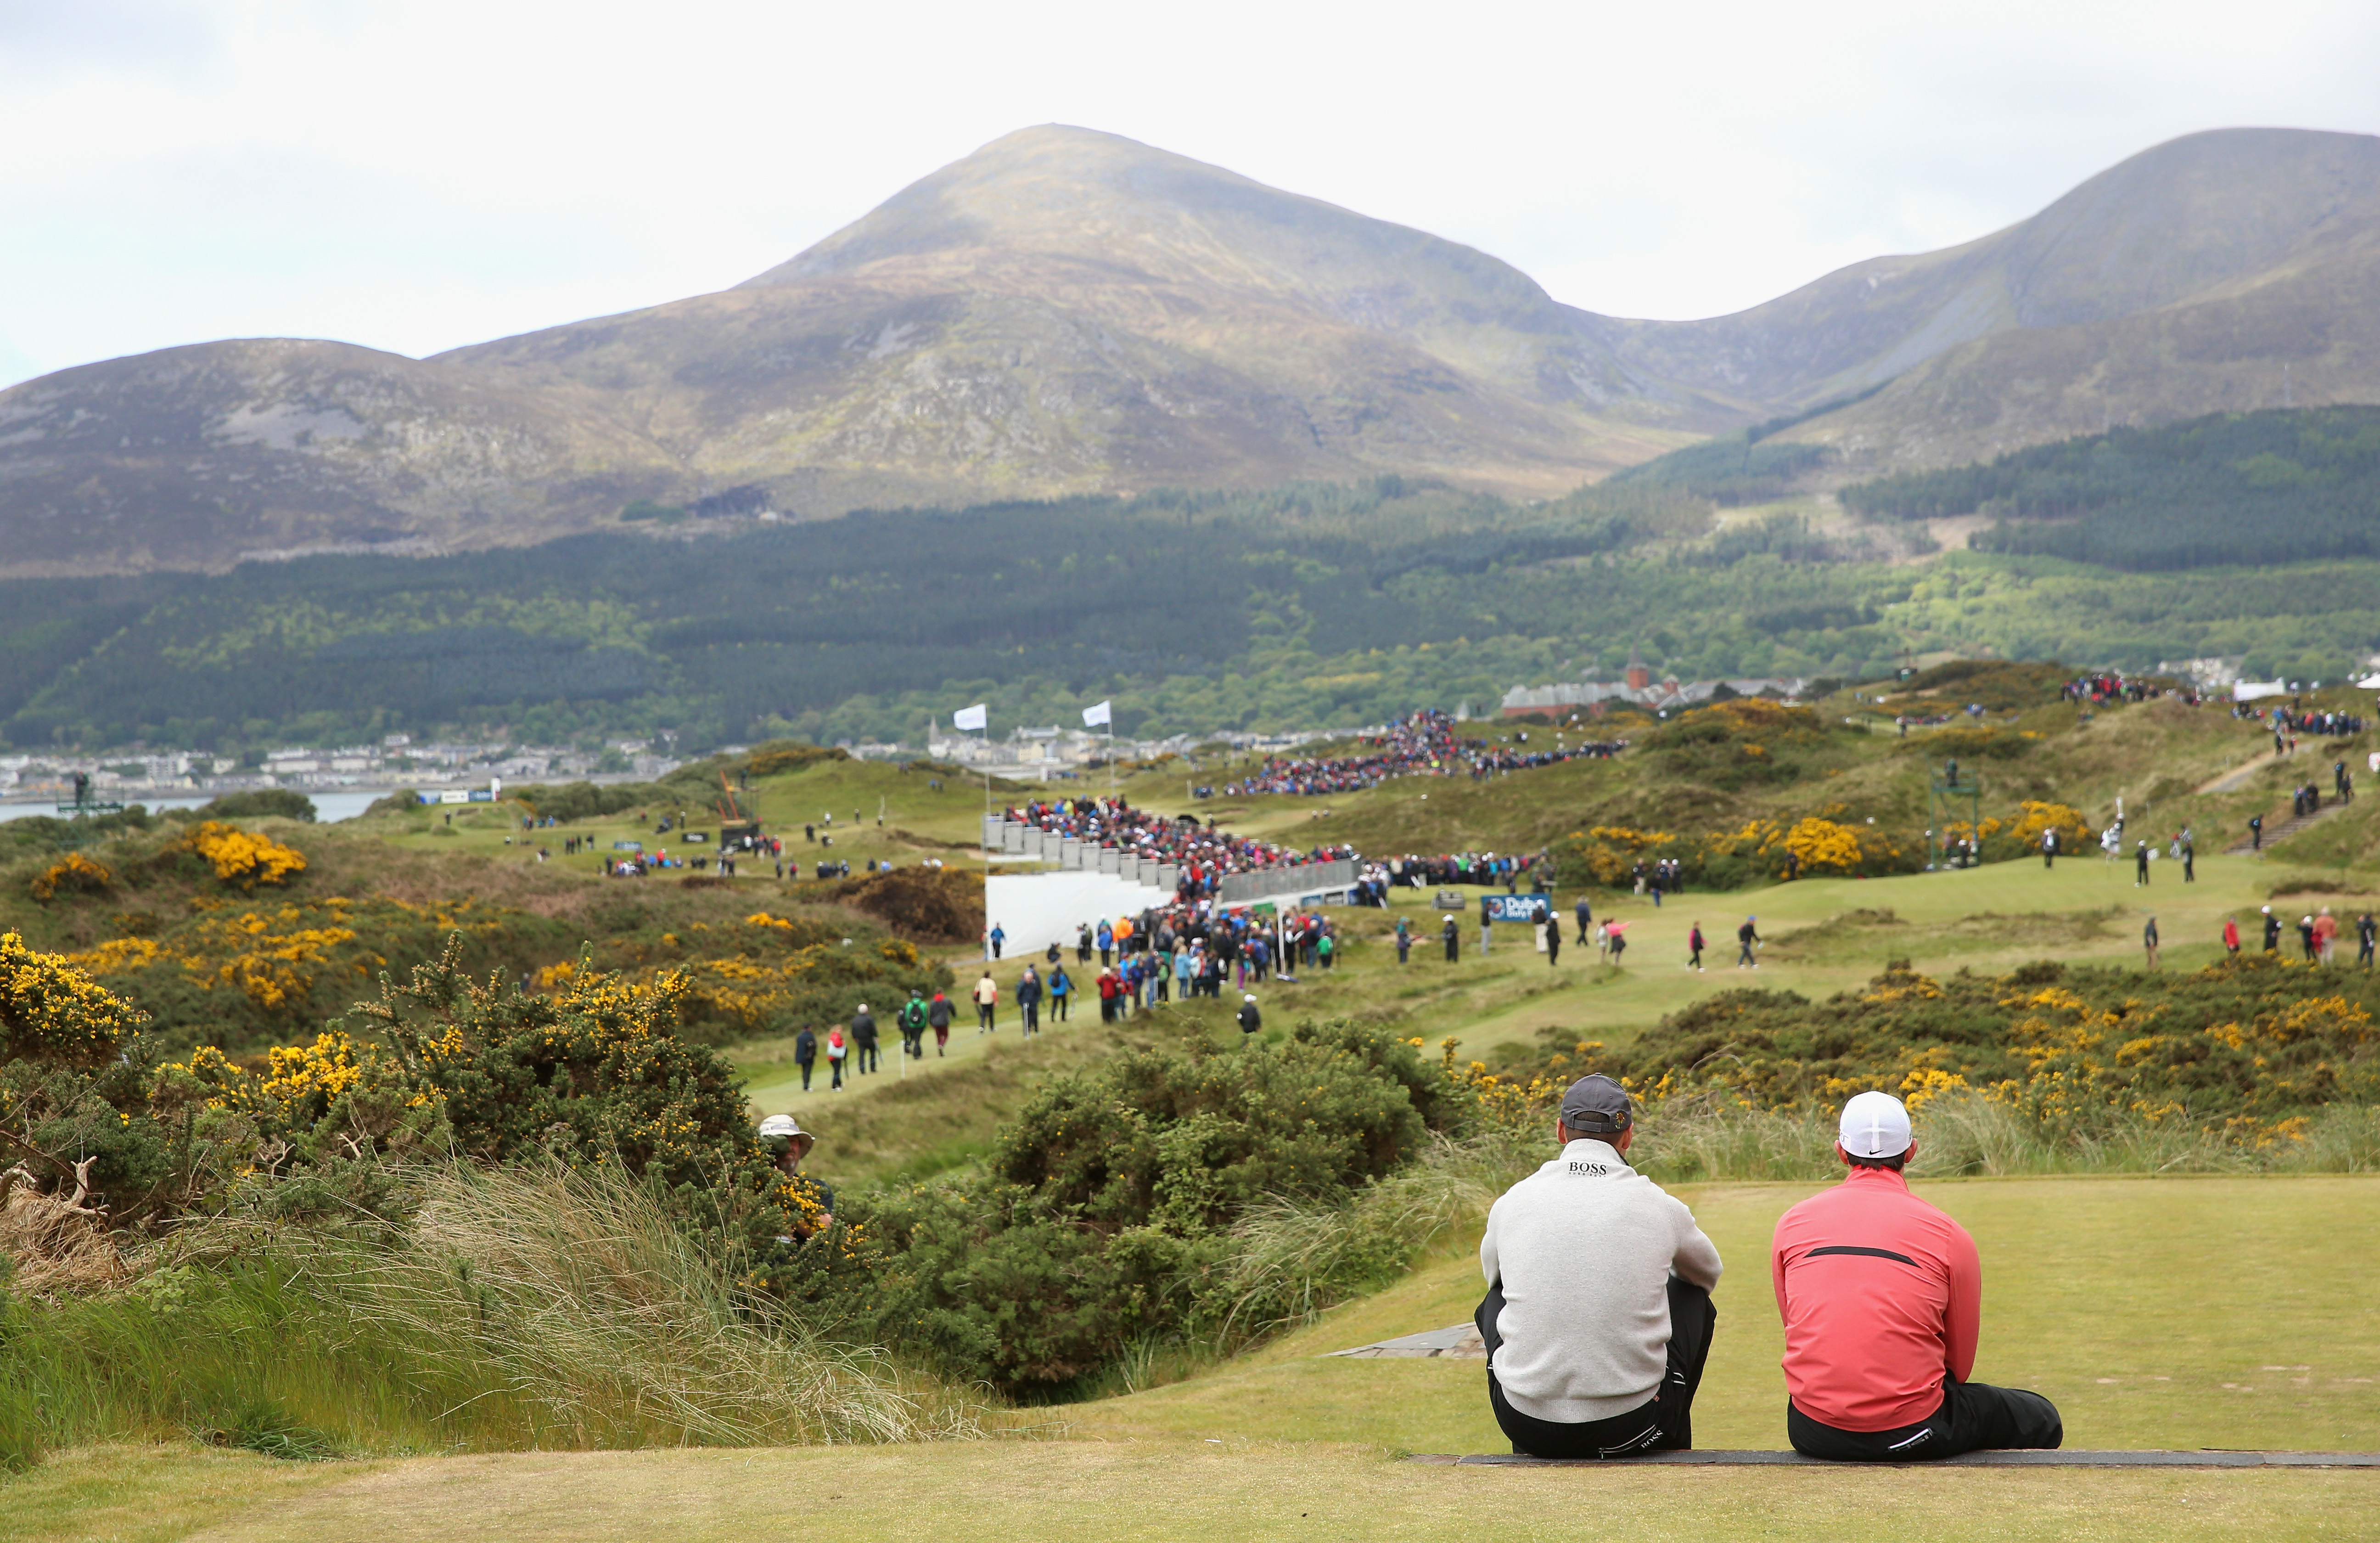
[1882, 1296]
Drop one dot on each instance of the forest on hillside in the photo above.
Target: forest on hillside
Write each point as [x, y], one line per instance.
[2231, 490]
[1305, 606]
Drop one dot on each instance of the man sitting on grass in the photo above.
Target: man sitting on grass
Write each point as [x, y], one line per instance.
[1882, 1296]
[1599, 1315]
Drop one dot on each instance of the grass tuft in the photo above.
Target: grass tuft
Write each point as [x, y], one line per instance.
[516, 1309]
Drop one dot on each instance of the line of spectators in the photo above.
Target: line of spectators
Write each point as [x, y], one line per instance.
[1205, 854]
[1461, 867]
[1422, 743]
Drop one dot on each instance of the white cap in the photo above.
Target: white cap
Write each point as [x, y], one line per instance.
[1875, 1126]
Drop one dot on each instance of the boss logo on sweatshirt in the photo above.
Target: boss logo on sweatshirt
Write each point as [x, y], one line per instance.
[1594, 1168]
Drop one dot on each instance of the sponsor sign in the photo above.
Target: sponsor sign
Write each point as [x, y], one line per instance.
[1515, 907]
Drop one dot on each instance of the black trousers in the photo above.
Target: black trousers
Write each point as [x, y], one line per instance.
[1663, 1423]
[1974, 1417]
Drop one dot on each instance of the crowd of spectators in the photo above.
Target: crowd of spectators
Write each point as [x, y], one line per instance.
[1192, 948]
[2100, 689]
[1205, 854]
[1460, 868]
[1419, 745]
[2335, 723]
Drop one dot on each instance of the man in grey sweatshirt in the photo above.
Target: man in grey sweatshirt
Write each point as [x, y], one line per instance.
[1599, 1316]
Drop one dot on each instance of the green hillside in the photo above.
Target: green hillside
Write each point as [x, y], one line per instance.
[1308, 606]
[2236, 489]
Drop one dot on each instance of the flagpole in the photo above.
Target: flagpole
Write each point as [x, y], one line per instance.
[983, 747]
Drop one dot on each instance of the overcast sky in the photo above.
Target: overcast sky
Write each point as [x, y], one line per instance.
[415, 176]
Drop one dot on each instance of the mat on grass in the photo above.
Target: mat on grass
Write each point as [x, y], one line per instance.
[1461, 1342]
[2062, 1459]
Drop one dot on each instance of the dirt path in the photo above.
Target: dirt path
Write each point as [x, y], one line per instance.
[2229, 781]
[2282, 831]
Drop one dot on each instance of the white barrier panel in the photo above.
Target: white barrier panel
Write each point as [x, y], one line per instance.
[1038, 909]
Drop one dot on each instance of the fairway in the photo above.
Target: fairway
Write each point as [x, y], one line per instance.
[1059, 1492]
[2158, 1313]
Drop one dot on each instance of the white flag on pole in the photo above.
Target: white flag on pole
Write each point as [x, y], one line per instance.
[968, 717]
[1099, 713]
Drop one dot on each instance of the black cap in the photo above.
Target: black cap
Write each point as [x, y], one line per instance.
[1597, 1106]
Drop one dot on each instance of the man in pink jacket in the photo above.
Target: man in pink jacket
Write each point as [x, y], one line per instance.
[1882, 1296]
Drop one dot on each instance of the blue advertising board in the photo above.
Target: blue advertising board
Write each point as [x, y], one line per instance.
[1515, 907]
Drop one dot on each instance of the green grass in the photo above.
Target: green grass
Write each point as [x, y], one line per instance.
[1260, 1487]
[155, 1494]
[2170, 1313]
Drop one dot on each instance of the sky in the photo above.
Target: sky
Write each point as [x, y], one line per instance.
[419, 177]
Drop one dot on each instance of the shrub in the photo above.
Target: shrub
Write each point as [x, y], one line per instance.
[1725, 859]
[928, 905]
[263, 803]
[245, 858]
[73, 873]
[1106, 1209]
[2251, 1050]
[54, 1014]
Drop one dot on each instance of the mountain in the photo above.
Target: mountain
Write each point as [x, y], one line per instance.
[1068, 312]
[188, 457]
[2223, 272]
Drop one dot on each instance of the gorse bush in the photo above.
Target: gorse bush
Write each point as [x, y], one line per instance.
[245, 858]
[2250, 1053]
[593, 1075]
[1109, 1211]
[229, 938]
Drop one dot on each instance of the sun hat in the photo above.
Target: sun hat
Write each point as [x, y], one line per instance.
[780, 1131]
[1875, 1126]
[1597, 1106]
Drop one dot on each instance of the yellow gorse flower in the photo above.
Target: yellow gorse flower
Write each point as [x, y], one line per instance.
[244, 858]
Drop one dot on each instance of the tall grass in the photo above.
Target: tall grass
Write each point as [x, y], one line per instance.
[1294, 1261]
[515, 1311]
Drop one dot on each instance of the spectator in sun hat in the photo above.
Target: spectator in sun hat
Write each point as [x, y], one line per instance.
[1597, 1318]
[1882, 1298]
[785, 1143]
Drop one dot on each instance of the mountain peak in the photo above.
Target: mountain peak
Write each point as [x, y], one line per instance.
[1051, 188]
